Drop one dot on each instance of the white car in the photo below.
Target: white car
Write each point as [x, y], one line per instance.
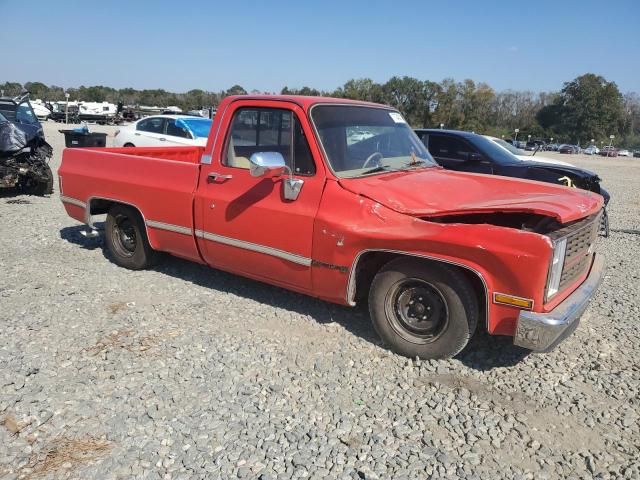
[522, 156]
[591, 150]
[39, 108]
[164, 130]
[624, 153]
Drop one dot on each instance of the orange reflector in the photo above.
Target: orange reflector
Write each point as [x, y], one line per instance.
[519, 302]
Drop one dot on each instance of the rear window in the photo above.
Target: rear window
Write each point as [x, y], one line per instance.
[153, 125]
[200, 127]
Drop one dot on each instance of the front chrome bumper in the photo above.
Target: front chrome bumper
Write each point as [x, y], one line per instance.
[542, 332]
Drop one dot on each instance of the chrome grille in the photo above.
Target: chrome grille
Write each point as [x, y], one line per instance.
[579, 252]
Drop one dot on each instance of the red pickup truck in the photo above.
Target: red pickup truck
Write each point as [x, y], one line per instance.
[340, 200]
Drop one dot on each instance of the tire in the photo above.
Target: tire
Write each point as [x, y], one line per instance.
[126, 238]
[40, 188]
[421, 309]
[128, 145]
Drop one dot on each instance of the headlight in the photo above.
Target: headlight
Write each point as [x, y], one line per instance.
[555, 270]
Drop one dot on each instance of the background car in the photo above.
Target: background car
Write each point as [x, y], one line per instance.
[591, 150]
[470, 152]
[524, 156]
[624, 153]
[608, 151]
[534, 145]
[566, 148]
[164, 130]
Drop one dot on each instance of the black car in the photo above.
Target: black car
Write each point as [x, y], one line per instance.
[568, 149]
[534, 145]
[470, 152]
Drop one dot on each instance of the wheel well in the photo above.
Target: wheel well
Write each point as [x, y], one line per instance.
[370, 264]
[101, 206]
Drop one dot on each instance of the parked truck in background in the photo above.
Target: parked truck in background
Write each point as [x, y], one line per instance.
[287, 191]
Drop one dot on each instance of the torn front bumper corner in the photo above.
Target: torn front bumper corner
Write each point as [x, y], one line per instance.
[542, 332]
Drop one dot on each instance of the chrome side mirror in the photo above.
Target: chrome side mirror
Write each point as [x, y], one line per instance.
[267, 164]
[272, 164]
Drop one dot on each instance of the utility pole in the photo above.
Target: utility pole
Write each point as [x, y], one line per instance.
[66, 108]
[611, 137]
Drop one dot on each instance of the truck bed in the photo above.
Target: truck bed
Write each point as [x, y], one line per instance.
[159, 181]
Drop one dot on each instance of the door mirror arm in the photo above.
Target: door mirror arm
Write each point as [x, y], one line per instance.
[272, 164]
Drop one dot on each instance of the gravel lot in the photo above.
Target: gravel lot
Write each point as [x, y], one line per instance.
[187, 372]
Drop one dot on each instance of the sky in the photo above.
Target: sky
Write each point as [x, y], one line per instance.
[265, 45]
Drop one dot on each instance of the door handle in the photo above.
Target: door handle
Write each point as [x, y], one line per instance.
[213, 176]
[137, 134]
[162, 139]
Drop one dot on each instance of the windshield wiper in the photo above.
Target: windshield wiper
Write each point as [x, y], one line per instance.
[417, 164]
[381, 168]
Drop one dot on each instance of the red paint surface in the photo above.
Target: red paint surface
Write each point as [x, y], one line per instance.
[333, 220]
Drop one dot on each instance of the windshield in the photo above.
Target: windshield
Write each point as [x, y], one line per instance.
[508, 146]
[362, 140]
[491, 150]
[198, 126]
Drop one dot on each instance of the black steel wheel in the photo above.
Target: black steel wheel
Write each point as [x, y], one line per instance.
[416, 307]
[126, 238]
[423, 309]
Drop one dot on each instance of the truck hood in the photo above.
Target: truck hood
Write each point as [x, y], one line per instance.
[544, 160]
[567, 169]
[435, 192]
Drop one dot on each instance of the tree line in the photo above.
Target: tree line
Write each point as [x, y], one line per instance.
[588, 107]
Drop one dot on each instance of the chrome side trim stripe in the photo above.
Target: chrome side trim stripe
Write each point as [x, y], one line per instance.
[274, 252]
[73, 201]
[169, 227]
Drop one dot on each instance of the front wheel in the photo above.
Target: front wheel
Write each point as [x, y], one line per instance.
[423, 310]
[126, 238]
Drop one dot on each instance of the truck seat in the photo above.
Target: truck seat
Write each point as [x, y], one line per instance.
[236, 161]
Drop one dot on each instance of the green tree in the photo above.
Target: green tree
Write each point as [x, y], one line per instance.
[447, 110]
[587, 107]
[360, 89]
[407, 95]
[37, 89]
[235, 90]
[11, 89]
[306, 91]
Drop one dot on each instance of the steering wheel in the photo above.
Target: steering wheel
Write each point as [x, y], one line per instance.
[371, 157]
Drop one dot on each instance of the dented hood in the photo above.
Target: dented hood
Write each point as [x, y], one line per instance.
[435, 192]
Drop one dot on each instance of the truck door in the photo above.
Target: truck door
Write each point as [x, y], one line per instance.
[245, 224]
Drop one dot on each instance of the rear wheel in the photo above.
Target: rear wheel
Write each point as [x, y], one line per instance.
[423, 310]
[126, 238]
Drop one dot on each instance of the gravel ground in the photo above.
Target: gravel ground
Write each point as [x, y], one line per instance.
[187, 372]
